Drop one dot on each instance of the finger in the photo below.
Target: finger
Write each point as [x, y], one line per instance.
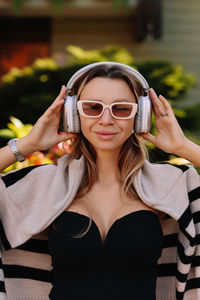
[63, 136]
[54, 109]
[57, 107]
[59, 101]
[149, 137]
[62, 94]
[158, 106]
[166, 104]
[62, 91]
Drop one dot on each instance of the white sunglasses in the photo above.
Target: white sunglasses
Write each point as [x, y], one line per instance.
[118, 110]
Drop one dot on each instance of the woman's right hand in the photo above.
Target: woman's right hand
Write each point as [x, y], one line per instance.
[44, 133]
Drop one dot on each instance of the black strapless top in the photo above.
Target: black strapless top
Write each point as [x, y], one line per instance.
[122, 267]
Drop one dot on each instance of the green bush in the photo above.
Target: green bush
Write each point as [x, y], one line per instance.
[192, 120]
[26, 93]
[167, 79]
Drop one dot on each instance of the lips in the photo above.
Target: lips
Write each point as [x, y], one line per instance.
[105, 132]
[105, 135]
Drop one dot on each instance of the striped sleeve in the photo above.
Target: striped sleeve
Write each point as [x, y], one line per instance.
[23, 194]
[179, 265]
[167, 264]
[188, 269]
[4, 242]
[2, 283]
[27, 270]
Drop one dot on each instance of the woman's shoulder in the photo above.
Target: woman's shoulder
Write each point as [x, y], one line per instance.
[45, 172]
[164, 175]
[163, 185]
[166, 168]
[17, 175]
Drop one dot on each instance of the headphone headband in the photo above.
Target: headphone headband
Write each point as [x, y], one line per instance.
[134, 72]
[142, 121]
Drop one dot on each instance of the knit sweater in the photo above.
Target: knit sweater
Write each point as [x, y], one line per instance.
[30, 199]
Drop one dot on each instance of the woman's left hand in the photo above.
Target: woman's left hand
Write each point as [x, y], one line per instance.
[170, 137]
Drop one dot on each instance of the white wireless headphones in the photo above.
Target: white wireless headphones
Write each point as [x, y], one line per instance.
[143, 117]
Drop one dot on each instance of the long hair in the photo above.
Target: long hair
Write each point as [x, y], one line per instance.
[133, 152]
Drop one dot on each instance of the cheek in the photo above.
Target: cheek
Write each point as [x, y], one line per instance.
[128, 126]
[127, 129]
[86, 124]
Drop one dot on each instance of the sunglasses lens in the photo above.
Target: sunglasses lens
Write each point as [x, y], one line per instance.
[92, 108]
[122, 110]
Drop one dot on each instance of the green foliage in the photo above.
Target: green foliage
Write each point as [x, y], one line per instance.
[17, 5]
[57, 6]
[26, 93]
[121, 3]
[16, 129]
[109, 53]
[192, 119]
[166, 78]
[7, 134]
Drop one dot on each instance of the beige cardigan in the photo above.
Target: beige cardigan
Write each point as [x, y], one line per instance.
[32, 198]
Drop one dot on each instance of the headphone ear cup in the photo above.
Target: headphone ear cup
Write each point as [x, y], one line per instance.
[71, 120]
[75, 119]
[144, 115]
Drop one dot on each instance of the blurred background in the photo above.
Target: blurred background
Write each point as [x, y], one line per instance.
[43, 42]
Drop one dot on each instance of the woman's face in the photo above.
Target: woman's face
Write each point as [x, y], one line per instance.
[107, 133]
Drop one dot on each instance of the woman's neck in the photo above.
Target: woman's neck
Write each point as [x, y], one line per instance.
[107, 165]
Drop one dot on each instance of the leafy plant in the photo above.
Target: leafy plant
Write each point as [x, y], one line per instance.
[58, 5]
[16, 129]
[27, 92]
[167, 78]
[79, 56]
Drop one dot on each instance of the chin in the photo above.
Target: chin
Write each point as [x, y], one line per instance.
[107, 148]
[111, 145]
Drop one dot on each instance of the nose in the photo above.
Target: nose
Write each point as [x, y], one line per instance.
[106, 118]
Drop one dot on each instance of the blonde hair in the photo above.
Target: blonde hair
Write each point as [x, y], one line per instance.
[133, 152]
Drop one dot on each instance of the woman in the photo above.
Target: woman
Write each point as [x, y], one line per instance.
[106, 206]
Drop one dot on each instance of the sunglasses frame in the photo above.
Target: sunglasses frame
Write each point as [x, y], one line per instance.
[105, 106]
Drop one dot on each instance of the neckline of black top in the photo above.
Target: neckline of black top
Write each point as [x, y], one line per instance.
[114, 223]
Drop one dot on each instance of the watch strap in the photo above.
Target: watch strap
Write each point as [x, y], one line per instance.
[13, 147]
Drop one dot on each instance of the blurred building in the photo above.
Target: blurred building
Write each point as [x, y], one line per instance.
[160, 29]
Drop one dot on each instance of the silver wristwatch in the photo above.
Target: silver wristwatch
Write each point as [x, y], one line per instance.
[15, 151]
